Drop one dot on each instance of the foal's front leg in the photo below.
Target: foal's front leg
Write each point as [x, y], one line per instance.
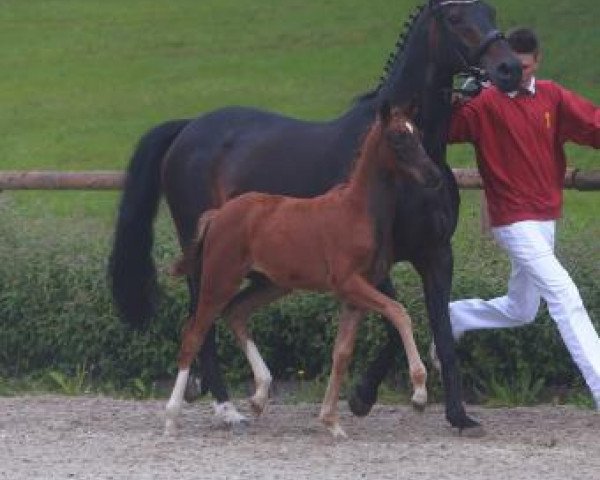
[342, 353]
[361, 293]
[364, 394]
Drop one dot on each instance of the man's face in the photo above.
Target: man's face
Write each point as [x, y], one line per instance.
[529, 63]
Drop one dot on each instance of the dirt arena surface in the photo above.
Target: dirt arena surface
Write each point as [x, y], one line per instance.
[54, 437]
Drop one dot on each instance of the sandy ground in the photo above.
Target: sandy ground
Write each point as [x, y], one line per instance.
[53, 437]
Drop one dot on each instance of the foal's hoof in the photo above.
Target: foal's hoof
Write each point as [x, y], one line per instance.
[337, 432]
[358, 405]
[257, 405]
[332, 424]
[419, 399]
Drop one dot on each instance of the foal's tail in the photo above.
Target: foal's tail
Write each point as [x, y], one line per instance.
[189, 263]
[131, 268]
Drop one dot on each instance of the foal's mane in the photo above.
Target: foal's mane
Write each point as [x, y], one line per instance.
[394, 55]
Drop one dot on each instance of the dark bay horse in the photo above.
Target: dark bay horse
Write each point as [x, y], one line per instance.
[339, 242]
[200, 163]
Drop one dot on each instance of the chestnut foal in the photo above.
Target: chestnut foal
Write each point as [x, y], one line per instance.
[339, 242]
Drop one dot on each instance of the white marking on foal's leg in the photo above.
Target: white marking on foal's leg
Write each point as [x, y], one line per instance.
[228, 414]
[337, 431]
[418, 376]
[262, 377]
[331, 422]
[174, 404]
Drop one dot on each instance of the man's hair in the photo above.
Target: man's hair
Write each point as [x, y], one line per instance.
[523, 40]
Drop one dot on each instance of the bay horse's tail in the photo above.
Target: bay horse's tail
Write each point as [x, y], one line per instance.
[131, 268]
[188, 263]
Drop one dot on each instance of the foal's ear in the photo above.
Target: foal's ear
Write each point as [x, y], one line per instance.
[412, 109]
[385, 111]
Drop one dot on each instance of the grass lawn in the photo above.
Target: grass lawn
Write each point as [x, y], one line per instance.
[83, 80]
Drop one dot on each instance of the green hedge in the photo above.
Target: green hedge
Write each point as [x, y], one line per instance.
[56, 312]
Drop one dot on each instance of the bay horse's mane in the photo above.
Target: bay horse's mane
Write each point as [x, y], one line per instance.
[393, 56]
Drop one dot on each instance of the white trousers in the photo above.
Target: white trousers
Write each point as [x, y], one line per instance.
[536, 274]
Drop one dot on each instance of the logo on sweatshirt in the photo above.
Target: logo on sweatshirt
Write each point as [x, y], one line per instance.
[548, 123]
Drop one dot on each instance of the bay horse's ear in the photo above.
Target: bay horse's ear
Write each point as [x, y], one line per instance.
[385, 111]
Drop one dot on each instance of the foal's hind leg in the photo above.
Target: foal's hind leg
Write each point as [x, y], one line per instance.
[211, 377]
[342, 353]
[193, 335]
[209, 306]
[359, 292]
[261, 292]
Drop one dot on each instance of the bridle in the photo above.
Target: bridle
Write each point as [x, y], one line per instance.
[473, 57]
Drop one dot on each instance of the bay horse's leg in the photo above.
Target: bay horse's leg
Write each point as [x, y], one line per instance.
[362, 294]
[345, 339]
[436, 273]
[261, 292]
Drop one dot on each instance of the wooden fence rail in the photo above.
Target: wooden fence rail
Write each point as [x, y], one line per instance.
[584, 180]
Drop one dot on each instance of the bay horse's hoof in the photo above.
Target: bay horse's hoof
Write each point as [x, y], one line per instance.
[358, 406]
[476, 431]
[240, 428]
[419, 407]
[469, 428]
[228, 415]
[193, 389]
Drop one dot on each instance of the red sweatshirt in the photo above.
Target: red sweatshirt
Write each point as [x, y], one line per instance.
[519, 146]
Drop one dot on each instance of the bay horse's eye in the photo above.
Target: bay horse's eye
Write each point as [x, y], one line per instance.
[454, 18]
